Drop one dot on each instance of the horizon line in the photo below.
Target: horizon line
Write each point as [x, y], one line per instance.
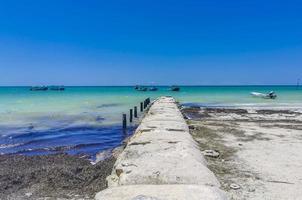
[148, 85]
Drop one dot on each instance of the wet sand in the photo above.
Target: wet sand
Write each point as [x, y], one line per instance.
[59, 176]
[259, 150]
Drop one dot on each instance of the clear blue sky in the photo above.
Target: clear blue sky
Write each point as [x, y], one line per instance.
[193, 42]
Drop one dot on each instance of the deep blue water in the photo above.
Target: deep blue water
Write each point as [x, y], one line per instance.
[75, 140]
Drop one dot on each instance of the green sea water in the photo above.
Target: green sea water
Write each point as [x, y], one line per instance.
[93, 108]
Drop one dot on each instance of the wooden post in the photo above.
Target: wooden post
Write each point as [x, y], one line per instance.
[131, 115]
[141, 106]
[145, 104]
[124, 121]
[135, 111]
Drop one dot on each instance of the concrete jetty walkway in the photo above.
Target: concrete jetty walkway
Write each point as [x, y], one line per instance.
[162, 162]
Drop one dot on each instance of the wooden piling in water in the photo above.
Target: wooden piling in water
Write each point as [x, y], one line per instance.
[142, 107]
[135, 111]
[131, 115]
[124, 121]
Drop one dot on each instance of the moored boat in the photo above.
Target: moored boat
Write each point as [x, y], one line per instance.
[38, 88]
[270, 95]
[142, 89]
[153, 89]
[175, 88]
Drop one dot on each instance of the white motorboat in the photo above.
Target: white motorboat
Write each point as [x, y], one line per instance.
[270, 95]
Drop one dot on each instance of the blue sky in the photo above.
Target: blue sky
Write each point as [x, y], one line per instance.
[192, 42]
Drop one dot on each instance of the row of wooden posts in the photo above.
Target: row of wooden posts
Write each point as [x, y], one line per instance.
[133, 112]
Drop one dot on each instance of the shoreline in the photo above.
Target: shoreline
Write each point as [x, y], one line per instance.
[258, 150]
[221, 129]
[52, 176]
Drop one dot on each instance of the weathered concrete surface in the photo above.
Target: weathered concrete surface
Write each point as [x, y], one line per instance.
[161, 156]
[161, 192]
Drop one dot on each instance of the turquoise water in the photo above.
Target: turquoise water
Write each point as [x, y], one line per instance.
[88, 119]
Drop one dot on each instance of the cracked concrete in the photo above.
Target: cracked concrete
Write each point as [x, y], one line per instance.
[162, 161]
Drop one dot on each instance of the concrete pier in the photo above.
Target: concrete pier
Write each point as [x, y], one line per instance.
[162, 162]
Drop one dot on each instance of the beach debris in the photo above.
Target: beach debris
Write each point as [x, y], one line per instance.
[157, 173]
[211, 153]
[119, 172]
[191, 127]
[235, 186]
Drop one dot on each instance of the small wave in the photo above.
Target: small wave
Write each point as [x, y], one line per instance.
[58, 148]
[4, 146]
[86, 140]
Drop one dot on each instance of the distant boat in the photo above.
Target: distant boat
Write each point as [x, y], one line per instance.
[140, 88]
[38, 88]
[153, 89]
[175, 88]
[270, 95]
[57, 88]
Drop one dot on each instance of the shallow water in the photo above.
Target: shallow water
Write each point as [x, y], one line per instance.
[88, 119]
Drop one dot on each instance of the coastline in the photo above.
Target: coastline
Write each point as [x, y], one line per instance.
[258, 150]
[237, 134]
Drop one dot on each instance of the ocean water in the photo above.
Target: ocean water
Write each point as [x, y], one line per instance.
[86, 120]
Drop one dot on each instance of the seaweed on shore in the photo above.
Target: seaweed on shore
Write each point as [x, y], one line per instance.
[55, 176]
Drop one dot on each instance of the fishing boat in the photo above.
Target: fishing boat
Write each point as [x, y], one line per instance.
[140, 88]
[175, 88]
[270, 95]
[38, 88]
[153, 89]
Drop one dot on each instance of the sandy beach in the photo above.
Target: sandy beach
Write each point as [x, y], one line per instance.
[254, 154]
[259, 150]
